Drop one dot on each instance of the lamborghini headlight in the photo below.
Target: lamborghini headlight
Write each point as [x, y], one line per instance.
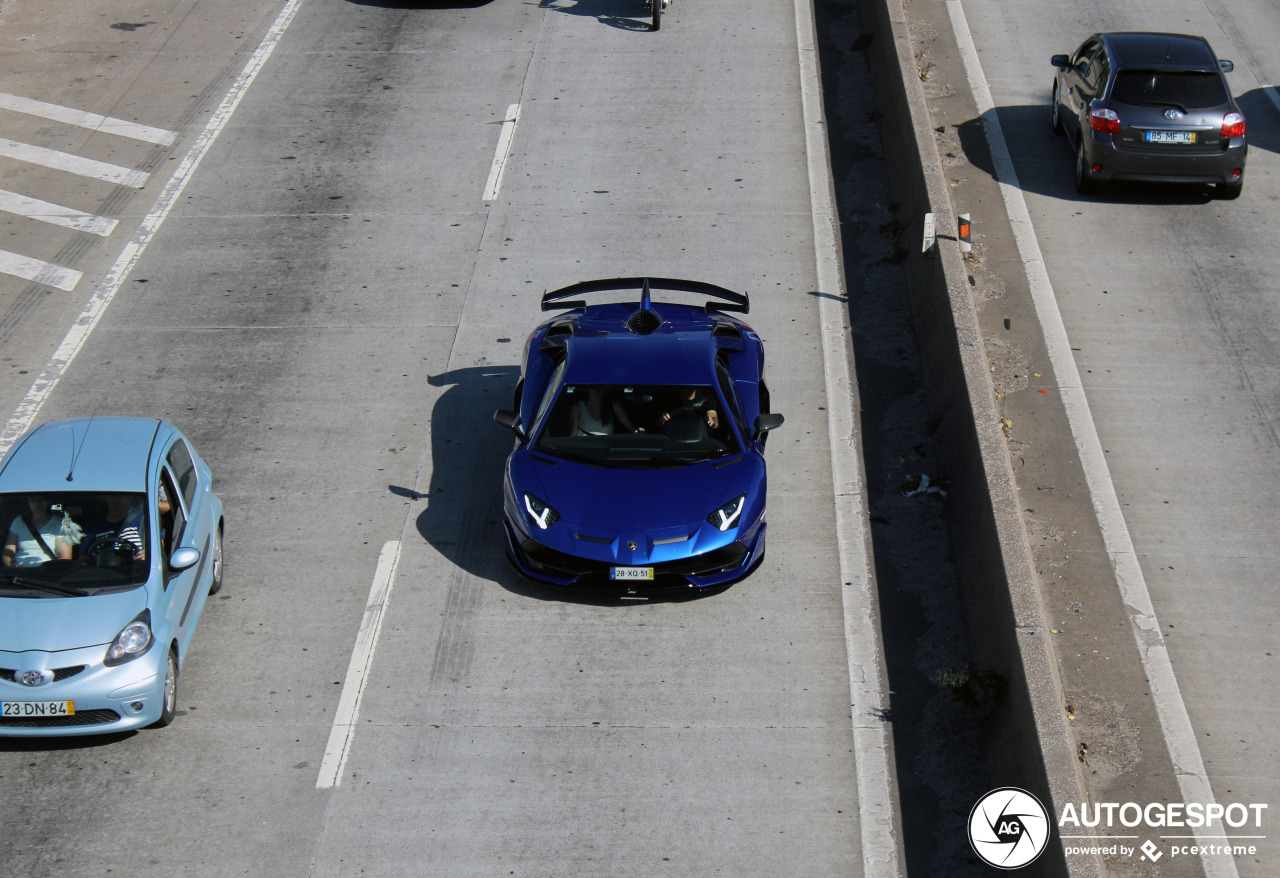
[540, 513]
[727, 515]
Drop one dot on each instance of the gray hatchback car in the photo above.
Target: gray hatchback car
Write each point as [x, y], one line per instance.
[1150, 107]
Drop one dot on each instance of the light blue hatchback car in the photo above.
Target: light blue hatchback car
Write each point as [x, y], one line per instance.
[113, 542]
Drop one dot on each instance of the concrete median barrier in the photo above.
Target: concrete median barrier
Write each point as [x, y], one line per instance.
[1030, 746]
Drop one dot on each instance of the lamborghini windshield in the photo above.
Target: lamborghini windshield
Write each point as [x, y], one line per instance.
[630, 425]
[68, 544]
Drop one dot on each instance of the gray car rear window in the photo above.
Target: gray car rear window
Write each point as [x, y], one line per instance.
[1154, 88]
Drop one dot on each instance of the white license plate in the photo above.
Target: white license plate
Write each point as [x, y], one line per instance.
[631, 573]
[34, 709]
[1171, 137]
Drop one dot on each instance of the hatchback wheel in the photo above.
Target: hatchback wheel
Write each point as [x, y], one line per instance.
[216, 585]
[1083, 184]
[169, 707]
[1057, 112]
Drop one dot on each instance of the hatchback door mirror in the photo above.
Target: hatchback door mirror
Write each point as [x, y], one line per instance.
[1062, 62]
[1226, 66]
[184, 557]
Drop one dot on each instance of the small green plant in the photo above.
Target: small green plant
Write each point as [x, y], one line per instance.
[949, 679]
[982, 690]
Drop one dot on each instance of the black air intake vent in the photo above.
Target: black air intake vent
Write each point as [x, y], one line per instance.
[556, 336]
[643, 322]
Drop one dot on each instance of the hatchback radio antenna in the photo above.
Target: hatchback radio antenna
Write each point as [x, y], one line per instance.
[75, 452]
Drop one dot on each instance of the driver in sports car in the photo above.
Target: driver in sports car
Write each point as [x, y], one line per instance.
[695, 404]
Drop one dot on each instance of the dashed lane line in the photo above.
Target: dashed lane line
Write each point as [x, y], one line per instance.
[344, 721]
[501, 153]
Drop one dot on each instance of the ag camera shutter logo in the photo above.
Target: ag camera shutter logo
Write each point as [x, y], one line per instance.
[1008, 828]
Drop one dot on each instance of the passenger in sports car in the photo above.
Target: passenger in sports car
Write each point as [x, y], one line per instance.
[593, 416]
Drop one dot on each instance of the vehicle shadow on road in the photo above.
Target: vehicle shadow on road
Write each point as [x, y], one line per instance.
[620, 14]
[1262, 118]
[1045, 164]
[461, 514]
[52, 745]
[462, 507]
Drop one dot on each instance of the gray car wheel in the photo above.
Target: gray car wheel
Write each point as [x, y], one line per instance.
[1057, 112]
[1083, 184]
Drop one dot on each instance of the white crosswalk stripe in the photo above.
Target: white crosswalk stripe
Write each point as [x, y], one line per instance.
[81, 119]
[67, 217]
[36, 270]
[39, 271]
[73, 164]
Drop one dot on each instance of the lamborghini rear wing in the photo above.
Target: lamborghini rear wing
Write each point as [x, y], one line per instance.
[727, 299]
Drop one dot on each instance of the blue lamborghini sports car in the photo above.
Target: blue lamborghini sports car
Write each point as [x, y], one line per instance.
[640, 431]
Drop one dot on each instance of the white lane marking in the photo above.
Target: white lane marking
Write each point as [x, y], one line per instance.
[1188, 763]
[75, 338]
[39, 271]
[344, 721]
[877, 806]
[73, 164]
[82, 119]
[502, 152]
[34, 208]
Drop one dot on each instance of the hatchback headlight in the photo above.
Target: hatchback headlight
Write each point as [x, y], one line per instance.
[727, 515]
[540, 513]
[132, 642]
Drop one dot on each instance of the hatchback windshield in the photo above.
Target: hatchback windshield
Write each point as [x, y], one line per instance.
[1185, 90]
[68, 544]
[632, 425]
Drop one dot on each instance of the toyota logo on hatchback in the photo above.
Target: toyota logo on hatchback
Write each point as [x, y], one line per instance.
[33, 678]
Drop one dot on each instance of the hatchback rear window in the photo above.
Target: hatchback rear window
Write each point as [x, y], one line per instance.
[1185, 90]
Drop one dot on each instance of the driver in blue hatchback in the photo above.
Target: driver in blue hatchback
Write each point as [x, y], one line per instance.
[122, 524]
